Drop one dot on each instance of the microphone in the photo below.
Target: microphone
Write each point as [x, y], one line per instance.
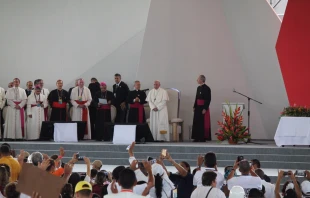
[145, 90]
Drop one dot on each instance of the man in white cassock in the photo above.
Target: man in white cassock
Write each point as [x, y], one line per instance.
[45, 92]
[15, 118]
[159, 121]
[81, 99]
[35, 111]
[2, 103]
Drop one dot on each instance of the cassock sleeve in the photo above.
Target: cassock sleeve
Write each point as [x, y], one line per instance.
[2, 101]
[29, 109]
[24, 99]
[163, 103]
[45, 103]
[50, 99]
[110, 97]
[148, 99]
[67, 96]
[8, 100]
[195, 103]
[89, 98]
[130, 98]
[142, 97]
[207, 98]
[72, 100]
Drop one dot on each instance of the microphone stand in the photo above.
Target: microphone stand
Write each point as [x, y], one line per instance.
[249, 102]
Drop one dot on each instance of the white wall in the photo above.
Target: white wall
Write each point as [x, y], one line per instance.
[231, 42]
[64, 39]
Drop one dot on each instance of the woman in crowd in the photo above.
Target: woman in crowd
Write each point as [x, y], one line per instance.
[183, 179]
[208, 190]
[98, 187]
[163, 185]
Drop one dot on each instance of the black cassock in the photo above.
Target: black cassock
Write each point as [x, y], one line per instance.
[103, 115]
[134, 111]
[201, 130]
[94, 88]
[58, 100]
[120, 93]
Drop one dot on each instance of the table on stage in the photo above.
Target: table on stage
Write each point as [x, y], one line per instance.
[293, 131]
[47, 129]
[142, 131]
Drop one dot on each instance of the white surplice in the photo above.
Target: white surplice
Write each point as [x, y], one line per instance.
[35, 122]
[76, 111]
[159, 120]
[13, 126]
[2, 103]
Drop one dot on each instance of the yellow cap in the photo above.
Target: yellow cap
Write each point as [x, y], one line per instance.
[83, 185]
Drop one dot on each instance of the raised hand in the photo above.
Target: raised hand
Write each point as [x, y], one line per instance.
[44, 164]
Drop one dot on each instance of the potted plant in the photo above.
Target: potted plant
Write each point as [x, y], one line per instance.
[232, 128]
[295, 111]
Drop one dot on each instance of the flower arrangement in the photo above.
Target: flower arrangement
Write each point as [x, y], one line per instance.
[232, 128]
[296, 111]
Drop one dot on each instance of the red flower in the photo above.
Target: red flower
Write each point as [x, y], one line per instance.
[221, 138]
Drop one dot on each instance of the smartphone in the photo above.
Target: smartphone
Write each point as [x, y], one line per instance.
[128, 148]
[164, 152]
[300, 173]
[78, 157]
[240, 158]
[286, 173]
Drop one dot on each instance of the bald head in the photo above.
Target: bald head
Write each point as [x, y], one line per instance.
[156, 84]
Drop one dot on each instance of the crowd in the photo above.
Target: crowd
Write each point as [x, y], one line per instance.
[149, 178]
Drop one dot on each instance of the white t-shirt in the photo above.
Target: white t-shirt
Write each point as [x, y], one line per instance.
[202, 191]
[247, 182]
[138, 189]
[269, 188]
[198, 178]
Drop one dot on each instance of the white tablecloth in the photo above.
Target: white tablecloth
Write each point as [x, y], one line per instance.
[65, 132]
[293, 131]
[124, 134]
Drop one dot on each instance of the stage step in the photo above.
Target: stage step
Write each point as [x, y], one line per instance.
[271, 157]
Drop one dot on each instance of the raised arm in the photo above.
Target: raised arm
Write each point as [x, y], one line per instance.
[180, 169]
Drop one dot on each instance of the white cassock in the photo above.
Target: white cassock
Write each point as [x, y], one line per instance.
[35, 122]
[81, 95]
[2, 103]
[159, 120]
[15, 126]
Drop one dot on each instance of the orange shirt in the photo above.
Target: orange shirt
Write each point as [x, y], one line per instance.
[14, 167]
[59, 172]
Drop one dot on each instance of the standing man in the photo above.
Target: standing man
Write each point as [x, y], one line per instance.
[103, 111]
[94, 87]
[201, 124]
[81, 99]
[15, 118]
[45, 92]
[136, 99]
[120, 91]
[35, 111]
[159, 121]
[58, 99]
[70, 104]
[29, 88]
[2, 103]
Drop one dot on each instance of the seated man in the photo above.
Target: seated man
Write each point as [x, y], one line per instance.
[247, 180]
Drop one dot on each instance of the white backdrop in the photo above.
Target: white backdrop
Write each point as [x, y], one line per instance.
[231, 42]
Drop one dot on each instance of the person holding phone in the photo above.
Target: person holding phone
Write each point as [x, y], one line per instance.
[183, 179]
[35, 110]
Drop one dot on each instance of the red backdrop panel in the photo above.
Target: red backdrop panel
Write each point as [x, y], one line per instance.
[293, 49]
